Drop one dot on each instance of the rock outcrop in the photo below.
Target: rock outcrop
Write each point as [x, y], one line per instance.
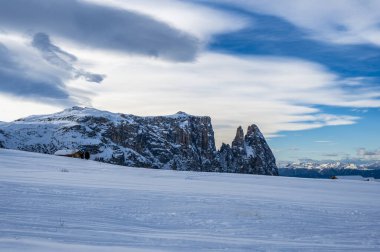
[177, 142]
[248, 154]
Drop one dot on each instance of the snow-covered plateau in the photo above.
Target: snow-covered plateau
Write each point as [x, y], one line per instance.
[51, 203]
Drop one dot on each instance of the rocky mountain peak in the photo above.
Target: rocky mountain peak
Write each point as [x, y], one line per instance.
[182, 113]
[254, 131]
[239, 138]
[76, 108]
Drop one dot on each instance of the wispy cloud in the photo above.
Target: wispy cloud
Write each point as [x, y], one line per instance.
[62, 59]
[362, 111]
[339, 21]
[364, 153]
[332, 155]
[40, 72]
[19, 78]
[293, 149]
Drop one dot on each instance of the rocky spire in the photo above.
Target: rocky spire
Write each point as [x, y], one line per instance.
[239, 138]
[262, 157]
[248, 154]
[253, 131]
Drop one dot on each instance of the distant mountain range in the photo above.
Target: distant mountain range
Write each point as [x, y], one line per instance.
[353, 164]
[177, 142]
[327, 169]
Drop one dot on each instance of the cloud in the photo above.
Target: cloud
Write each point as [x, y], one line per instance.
[19, 107]
[199, 20]
[347, 22]
[362, 111]
[331, 155]
[16, 78]
[363, 153]
[62, 59]
[99, 26]
[41, 72]
[293, 149]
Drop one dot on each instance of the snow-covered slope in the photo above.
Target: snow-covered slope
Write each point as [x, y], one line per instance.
[177, 142]
[50, 203]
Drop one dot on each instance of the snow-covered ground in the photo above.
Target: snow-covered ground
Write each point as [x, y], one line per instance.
[50, 203]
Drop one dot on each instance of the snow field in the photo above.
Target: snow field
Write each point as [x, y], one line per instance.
[50, 203]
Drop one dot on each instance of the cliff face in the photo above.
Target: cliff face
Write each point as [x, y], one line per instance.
[178, 142]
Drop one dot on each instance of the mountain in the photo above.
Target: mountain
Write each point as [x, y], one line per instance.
[177, 142]
[353, 164]
[327, 168]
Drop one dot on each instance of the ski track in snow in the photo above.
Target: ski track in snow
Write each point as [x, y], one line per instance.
[50, 203]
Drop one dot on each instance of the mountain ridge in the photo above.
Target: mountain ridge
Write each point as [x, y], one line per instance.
[178, 142]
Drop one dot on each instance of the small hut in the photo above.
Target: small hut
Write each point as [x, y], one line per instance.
[73, 153]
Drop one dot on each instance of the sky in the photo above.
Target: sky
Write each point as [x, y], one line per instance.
[307, 74]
